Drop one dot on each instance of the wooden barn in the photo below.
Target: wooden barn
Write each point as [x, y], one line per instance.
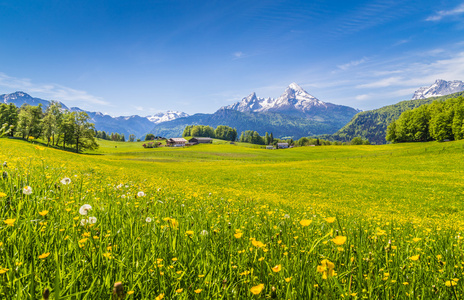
[282, 145]
[200, 140]
[176, 142]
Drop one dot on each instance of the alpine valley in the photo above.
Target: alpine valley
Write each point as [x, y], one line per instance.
[294, 114]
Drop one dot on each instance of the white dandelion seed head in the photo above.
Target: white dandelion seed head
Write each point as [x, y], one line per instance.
[65, 181]
[27, 190]
[140, 194]
[92, 220]
[204, 232]
[84, 222]
[287, 216]
[84, 209]
[148, 220]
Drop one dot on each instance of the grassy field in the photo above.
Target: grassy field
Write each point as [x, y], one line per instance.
[233, 222]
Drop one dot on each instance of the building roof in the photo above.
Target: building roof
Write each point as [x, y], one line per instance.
[282, 144]
[178, 140]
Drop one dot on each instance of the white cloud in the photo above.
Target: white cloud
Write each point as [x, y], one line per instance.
[362, 97]
[352, 63]
[419, 74]
[443, 13]
[384, 82]
[238, 54]
[52, 91]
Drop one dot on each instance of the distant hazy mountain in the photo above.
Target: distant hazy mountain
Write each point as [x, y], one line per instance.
[439, 88]
[294, 114]
[373, 124]
[123, 125]
[20, 98]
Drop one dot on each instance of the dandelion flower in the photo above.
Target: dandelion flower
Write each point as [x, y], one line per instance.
[257, 244]
[44, 255]
[238, 235]
[65, 181]
[305, 222]
[130, 292]
[2, 195]
[197, 291]
[140, 194]
[9, 222]
[27, 190]
[179, 291]
[326, 268]
[85, 209]
[256, 290]
[339, 240]
[189, 232]
[288, 279]
[416, 239]
[450, 283]
[277, 268]
[330, 219]
[92, 220]
[414, 257]
[43, 213]
[159, 297]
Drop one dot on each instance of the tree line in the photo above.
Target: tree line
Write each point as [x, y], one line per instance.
[55, 125]
[114, 136]
[438, 121]
[221, 132]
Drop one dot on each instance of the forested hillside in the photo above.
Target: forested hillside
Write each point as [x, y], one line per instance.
[437, 121]
[372, 124]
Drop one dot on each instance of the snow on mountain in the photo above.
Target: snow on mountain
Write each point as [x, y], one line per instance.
[439, 88]
[20, 98]
[166, 116]
[294, 98]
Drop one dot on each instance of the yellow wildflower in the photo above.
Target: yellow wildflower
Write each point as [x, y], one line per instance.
[44, 255]
[256, 290]
[305, 222]
[339, 240]
[277, 268]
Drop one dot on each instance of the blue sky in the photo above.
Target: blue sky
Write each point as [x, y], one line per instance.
[142, 57]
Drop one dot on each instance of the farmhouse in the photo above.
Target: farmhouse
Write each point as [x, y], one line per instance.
[176, 142]
[282, 145]
[200, 140]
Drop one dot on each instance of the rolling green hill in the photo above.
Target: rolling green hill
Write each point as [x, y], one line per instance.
[373, 124]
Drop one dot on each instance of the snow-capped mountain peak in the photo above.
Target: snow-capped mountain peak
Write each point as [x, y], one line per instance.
[293, 98]
[166, 116]
[439, 88]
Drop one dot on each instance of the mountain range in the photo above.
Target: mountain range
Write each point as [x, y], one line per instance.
[293, 114]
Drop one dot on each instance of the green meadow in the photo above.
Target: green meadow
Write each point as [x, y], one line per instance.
[232, 221]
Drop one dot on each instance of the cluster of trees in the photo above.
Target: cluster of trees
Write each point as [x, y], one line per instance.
[55, 125]
[253, 137]
[221, 132]
[372, 124]
[436, 121]
[151, 137]
[115, 137]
